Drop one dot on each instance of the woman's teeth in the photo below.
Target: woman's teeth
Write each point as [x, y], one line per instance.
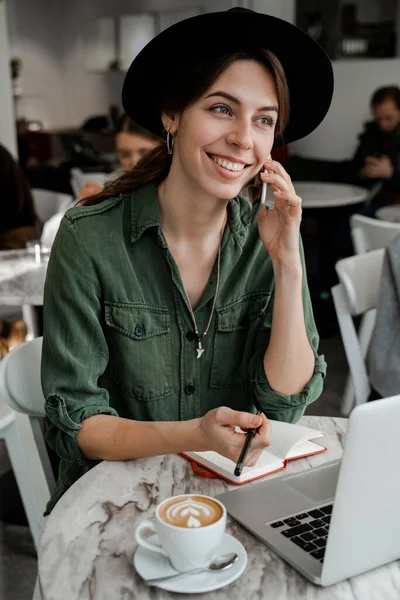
[228, 165]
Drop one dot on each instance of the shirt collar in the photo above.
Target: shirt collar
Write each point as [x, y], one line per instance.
[145, 213]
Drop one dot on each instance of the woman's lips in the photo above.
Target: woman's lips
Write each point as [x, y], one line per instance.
[226, 173]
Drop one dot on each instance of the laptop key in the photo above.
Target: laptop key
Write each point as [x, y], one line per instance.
[291, 521]
[320, 542]
[301, 516]
[316, 514]
[317, 523]
[327, 509]
[318, 554]
[307, 546]
[277, 524]
[327, 519]
[321, 532]
[308, 536]
[296, 530]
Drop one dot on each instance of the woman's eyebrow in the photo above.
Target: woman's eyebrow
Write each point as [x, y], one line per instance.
[236, 101]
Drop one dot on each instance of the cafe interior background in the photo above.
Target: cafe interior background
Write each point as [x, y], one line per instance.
[62, 65]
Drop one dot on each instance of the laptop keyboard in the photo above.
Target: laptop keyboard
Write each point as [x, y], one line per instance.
[308, 530]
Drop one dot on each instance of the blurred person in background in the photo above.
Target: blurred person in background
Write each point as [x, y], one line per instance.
[132, 142]
[18, 218]
[376, 163]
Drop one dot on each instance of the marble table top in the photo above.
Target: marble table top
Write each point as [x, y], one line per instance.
[21, 279]
[315, 194]
[88, 544]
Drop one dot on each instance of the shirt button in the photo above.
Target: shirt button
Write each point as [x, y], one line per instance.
[52, 401]
[139, 331]
[190, 336]
[189, 389]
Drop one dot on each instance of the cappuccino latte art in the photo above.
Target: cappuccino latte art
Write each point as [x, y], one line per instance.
[190, 511]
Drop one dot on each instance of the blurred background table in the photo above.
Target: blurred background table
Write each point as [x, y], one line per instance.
[389, 213]
[316, 194]
[22, 284]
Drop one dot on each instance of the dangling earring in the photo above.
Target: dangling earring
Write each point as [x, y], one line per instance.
[170, 142]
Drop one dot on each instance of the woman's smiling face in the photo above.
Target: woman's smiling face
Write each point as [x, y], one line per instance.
[224, 138]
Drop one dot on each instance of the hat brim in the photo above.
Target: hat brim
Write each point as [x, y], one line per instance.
[307, 67]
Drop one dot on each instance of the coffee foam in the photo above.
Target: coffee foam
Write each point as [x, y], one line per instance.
[190, 512]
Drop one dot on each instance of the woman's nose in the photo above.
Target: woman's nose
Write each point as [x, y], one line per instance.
[240, 135]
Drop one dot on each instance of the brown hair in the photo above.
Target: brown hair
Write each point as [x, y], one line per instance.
[124, 124]
[183, 91]
[390, 92]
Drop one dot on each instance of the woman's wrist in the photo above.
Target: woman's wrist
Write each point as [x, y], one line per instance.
[192, 438]
[289, 268]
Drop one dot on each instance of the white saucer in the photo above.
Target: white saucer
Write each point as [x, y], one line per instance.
[150, 565]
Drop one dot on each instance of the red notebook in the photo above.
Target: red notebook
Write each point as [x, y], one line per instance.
[289, 442]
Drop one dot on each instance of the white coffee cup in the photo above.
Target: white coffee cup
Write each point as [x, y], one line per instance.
[191, 546]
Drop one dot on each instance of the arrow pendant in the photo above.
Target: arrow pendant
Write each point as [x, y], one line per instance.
[199, 348]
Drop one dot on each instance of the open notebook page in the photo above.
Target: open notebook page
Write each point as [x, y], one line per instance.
[286, 435]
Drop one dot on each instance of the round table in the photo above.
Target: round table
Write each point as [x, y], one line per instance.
[88, 544]
[389, 213]
[323, 195]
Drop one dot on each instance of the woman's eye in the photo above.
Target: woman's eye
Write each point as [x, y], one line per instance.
[222, 110]
[267, 121]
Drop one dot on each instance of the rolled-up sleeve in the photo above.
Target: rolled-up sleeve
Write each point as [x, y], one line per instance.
[75, 352]
[278, 406]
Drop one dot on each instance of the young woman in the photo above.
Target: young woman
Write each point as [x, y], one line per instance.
[170, 317]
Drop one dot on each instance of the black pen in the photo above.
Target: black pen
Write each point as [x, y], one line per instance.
[246, 446]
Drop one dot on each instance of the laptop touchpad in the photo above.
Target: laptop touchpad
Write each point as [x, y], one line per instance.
[318, 485]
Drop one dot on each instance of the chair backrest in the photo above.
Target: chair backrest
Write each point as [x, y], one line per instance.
[50, 229]
[20, 383]
[369, 234]
[21, 388]
[48, 203]
[357, 294]
[79, 179]
[360, 276]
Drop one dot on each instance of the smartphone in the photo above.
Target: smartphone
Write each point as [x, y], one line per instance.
[262, 201]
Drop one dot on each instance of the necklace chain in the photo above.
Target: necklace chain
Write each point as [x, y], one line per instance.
[199, 336]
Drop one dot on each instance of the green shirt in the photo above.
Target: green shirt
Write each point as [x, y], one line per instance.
[118, 334]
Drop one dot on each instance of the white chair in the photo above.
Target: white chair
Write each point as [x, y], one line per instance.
[21, 388]
[48, 203]
[79, 179]
[370, 234]
[357, 294]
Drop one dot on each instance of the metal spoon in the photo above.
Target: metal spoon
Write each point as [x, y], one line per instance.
[219, 564]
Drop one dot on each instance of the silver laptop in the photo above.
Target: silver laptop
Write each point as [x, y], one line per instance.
[342, 518]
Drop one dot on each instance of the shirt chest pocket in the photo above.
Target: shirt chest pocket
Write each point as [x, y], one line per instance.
[138, 338]
[241, 327]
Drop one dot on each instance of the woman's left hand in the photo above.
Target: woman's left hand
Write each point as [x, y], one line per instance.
[279, 228]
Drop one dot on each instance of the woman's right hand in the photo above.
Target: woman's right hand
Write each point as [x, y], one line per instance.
[217, 431]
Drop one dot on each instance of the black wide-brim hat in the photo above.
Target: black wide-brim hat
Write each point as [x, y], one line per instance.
[172, 52]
